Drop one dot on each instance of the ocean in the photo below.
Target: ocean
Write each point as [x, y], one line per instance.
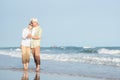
[95, 62]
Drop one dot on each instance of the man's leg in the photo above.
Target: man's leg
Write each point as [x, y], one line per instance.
[37, 57]
[33, 53]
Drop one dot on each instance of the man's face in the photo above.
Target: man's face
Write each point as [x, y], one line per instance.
[34, 23]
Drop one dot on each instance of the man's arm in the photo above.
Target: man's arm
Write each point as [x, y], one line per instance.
[38, 36]
[35, 37]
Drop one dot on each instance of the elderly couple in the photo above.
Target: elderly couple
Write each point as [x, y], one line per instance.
[31, 37]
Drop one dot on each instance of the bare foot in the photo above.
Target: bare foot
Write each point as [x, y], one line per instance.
[25, 68]
[37, 69]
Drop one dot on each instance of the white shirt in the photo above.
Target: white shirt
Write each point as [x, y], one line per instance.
[25, 40]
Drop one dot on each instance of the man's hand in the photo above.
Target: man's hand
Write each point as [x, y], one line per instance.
[35, 37]
[29, 36]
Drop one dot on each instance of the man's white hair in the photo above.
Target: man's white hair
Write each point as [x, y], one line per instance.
[34, 19]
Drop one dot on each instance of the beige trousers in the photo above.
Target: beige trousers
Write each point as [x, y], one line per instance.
[25, 54]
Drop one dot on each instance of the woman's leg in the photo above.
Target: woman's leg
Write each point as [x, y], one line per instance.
[27, 57]
[24, 56]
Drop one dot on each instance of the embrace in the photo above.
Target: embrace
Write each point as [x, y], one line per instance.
[31, 37]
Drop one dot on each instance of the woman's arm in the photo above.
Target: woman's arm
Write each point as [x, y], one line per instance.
[33, 37]
[24, 35]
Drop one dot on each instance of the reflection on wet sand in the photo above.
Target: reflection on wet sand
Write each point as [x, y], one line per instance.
[25, 76]
[37, 76]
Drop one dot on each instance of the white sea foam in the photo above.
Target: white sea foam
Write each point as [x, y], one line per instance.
[107, 51]
[92, 59]
[18, 49]
[85, 47]
[77, 57]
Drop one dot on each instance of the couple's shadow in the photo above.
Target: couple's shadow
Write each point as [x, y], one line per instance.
[25, 76]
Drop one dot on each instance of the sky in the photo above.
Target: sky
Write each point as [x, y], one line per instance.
[64, 22]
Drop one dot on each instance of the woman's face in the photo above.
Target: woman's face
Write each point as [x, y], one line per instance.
[30, 27]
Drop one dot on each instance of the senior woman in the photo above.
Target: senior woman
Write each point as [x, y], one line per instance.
[25, 46]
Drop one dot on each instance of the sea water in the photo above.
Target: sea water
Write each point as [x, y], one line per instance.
[98, 62]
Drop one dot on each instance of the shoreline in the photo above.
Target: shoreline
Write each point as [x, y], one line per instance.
[21, 75]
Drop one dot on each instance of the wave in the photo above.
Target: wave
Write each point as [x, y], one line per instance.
[92, 59]
[73, 57]
[85, 49]
[17, 49]
[66, 50]
[108, 51]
